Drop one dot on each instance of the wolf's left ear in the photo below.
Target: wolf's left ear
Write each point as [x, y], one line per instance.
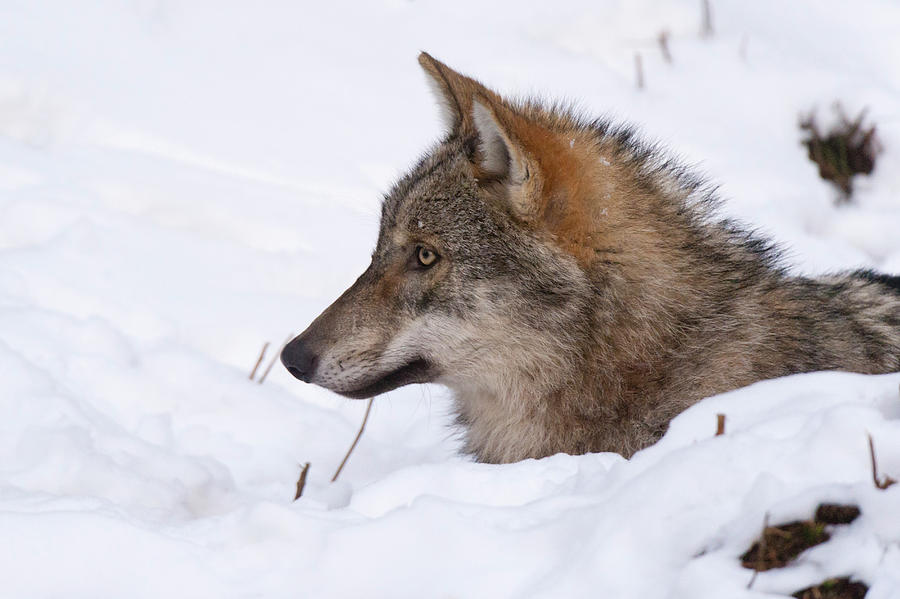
[504, 157]
[500, 154]
[469, 108]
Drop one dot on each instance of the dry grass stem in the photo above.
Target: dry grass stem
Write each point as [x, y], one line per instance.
[663, 40]
[362, 427]
[882, 483]
[262, 354]
[720, 424]
[706, 29]
[275, 358]
[762, 552]
[301, 482]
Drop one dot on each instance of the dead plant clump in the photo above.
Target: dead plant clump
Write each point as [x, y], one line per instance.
[834, 588]
[848, 149]
[780, 545]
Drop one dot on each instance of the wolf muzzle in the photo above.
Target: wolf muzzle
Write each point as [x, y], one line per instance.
[300, 359]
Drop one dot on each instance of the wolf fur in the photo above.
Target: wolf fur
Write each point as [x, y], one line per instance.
[573, 288]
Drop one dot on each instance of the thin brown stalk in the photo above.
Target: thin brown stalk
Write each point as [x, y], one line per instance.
[262, 354]
[663, 40]
[362, 427]
[762, 552]
[706, 30]
[301, 482]
[274, 359]
[882, 483]
[720, 424]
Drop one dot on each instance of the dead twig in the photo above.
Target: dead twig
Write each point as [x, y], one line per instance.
[362, 427]
[275, 359]
[762, 552]
[663, 40]
[301, 482]
[885, 482]
[259, 360]
[706, 29]
[720, 424]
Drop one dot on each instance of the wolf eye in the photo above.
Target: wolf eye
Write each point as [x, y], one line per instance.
[425, 256]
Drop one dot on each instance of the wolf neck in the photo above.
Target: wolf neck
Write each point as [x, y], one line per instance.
[680, 308]
[657, 300]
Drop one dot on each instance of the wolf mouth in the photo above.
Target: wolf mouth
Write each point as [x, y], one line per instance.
[417, 371]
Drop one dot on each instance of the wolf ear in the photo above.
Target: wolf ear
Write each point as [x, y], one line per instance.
[454, 93]
[471, 109]
[502, 156]
[499, 153]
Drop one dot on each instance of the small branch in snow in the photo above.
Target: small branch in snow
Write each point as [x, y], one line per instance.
[887, 481]
[362, 427]
[275, 358]
[259, 360]
[706, 29]
[639, 69]
[762, 552]
[301, 482]
[663, 40]
[720, 424]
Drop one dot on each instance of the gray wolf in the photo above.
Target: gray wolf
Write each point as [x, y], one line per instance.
[574, 288]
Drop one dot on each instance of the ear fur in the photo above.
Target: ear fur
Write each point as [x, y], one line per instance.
[498, 153]
[469, 108]
[454, 92]
[448, 103]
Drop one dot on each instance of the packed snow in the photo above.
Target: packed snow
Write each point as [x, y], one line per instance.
[181, 182]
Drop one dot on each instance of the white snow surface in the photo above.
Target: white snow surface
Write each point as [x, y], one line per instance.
[183, 181]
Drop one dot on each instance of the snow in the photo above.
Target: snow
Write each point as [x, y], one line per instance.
[183, 181]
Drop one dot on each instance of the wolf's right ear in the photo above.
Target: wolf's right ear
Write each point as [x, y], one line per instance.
[454, 92]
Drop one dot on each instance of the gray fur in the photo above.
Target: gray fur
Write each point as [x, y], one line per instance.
[564, 328]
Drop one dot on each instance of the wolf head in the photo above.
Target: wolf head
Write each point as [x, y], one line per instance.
[479, 279]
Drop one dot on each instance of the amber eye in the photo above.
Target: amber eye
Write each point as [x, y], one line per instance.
[425, 256]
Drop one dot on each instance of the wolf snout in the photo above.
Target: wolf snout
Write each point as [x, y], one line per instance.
[300, 359]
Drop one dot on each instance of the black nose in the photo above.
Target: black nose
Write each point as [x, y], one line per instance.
[299, 360]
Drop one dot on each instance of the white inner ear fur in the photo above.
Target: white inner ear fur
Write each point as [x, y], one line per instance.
[498, 155]
[447, 108]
